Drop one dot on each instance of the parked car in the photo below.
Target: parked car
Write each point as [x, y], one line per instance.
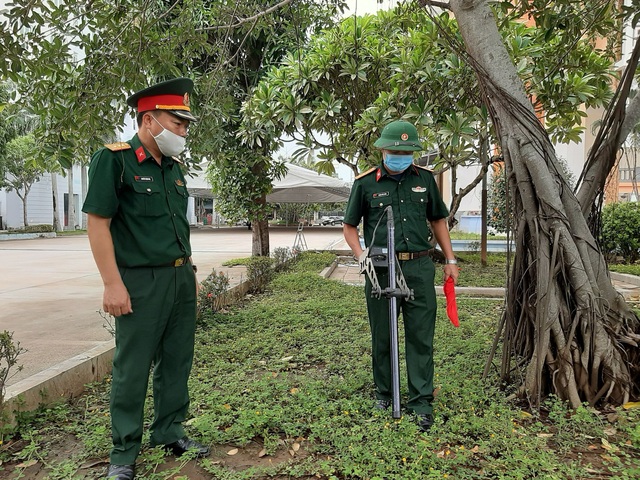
[333, 220]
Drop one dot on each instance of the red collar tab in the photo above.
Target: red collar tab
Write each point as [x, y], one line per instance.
[379, 174]
[164, 102]
[141, 155]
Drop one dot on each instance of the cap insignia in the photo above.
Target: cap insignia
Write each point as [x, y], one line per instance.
[404, 137]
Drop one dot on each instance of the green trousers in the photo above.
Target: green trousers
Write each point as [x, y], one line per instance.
[160, 331]
[419, 316]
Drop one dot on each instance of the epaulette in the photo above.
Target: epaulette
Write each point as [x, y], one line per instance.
[116, 147]
[367, 172]
[425, 168]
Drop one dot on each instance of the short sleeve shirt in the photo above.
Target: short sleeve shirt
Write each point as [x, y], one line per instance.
[146, 202]
[414, 198]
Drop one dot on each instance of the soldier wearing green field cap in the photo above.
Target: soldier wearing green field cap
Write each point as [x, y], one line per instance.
[412, 193]
[139, 235]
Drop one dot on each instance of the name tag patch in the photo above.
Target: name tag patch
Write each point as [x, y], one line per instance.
[380, 194]
[419, 189]
[179, 183]
[139, 178]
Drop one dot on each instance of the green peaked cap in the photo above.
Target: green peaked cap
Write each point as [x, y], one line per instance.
[399, 135]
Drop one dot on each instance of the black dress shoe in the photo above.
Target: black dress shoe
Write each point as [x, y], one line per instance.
[424, 421]
[186, 444]
[121, 472]
[382, 404]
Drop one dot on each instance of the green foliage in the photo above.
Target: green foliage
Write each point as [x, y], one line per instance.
[41, 228]
[260, 272]
[210, 288]
[620, 227]
[10, 350]
[283, 258]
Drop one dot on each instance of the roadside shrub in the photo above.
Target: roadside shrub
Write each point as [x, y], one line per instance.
[9, 353]
[283, 257]
[620, 227]
[211, 287]
[260, 271]
[33, 229]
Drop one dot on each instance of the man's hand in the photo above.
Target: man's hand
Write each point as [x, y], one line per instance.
[362, 260]
[451, 270]
[116, 300]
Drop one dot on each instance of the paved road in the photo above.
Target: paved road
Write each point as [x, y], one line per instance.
[50, 289]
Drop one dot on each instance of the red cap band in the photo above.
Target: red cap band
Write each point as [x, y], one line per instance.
[162, 102]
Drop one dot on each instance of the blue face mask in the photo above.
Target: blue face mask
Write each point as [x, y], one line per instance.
[398, 163]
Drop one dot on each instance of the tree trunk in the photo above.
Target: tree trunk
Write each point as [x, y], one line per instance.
[54, 198]
[24, 208]
[71, 205]
[564, 322]
[260, 234]
[84, 180]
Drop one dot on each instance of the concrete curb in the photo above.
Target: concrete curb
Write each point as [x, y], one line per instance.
[60, 382]
[626, 278]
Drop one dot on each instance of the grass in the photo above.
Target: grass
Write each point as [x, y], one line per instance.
[631, 269]
[286, 380]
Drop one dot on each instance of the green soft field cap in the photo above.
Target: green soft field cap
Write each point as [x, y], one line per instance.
[399, 135]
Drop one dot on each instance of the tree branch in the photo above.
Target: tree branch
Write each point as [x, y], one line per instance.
[434, 3]
[248, 19]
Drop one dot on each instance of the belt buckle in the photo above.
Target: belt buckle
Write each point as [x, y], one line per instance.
[179, 262]
[404, 255]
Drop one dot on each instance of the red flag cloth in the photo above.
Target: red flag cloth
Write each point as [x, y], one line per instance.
[452, 307]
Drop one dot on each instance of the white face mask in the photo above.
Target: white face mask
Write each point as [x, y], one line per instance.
[168, 142]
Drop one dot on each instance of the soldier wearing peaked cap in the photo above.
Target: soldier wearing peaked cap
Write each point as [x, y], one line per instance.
[139, 235]
[412, 193]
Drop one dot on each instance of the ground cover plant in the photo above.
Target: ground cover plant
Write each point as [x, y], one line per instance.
[281, 388]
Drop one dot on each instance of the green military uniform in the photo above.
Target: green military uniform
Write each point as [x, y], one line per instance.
[147, 205]
[415, 200]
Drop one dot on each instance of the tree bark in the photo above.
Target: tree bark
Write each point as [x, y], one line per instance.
[563, 321]
[71, 207]
[84, 179]
[54, 199]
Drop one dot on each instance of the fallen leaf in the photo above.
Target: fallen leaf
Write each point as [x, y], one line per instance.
[607, 446]
[93, 463]
[612, 418]
[440, 454]
[593, 447]
[295, 447]
[630, 405]
[591, 470]
[545, 435]
[286, 359]
[262, 453]
[227, 406]
[27, 464]
[475, 449]
[233, 451]
[524, 414]
[610, 431]
[294, 390]
[292, 453]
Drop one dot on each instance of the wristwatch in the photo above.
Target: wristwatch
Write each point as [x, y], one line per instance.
[449, 261]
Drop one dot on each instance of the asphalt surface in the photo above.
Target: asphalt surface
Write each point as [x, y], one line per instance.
[51, 291]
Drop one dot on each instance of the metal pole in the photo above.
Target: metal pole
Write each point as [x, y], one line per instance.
[393, 318]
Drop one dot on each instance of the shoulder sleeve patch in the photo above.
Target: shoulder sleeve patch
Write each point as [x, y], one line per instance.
[116, 147]
[367, 172]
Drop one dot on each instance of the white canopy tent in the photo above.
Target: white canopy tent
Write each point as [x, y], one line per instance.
[299, 185]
